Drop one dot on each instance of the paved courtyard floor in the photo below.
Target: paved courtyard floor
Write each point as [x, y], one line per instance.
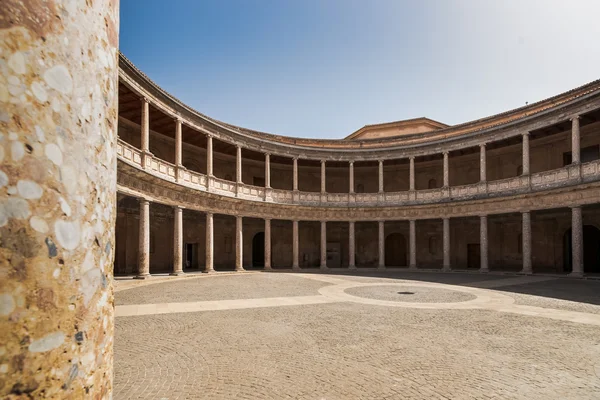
[391, 335]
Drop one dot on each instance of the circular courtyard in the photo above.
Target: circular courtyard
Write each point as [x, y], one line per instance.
[392, 335]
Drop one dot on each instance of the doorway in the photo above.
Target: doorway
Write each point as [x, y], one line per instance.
[334, 259]
[258, 250]
[395, 250]
[473, 256]
[591, 250]
[190, 258]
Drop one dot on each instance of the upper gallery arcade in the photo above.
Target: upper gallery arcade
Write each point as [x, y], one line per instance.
[518, 191]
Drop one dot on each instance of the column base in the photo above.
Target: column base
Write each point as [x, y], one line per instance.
[484, 271]
[240, 269]
[446, 268]
[352, 267]
[526, 272]
[210, 271]
[143, 276]
[323, 267]
[177, 273]
[412, 267]
[295, 268]
[268, 268]
[576, 275]
[381, 267]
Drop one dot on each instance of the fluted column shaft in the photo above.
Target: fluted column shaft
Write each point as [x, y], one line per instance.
[267, 170]
[267, 244]
[380, 176]
[351, 177]
[381, 247]
[577, 241]
[295, 254]
[238, 168]
[446, 170]
[239, 244]
[295, 187]
[411, 175]
[144, 237]
[323, 177]
[482, 164]
[446, 243]
[575, 141]
[178, 144]
[209, 155]
[483, 239]
[351, 245]
[526, 160]
[323, 244]
[412, 242]
[177, 241]
[526, 244]
[210, 243]
[145, 125]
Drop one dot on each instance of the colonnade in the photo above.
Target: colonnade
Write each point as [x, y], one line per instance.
[145, 143]
[144, 243]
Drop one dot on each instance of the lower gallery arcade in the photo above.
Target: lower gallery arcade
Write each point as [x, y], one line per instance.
[154, 238]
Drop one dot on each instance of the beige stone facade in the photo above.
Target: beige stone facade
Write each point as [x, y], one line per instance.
[497, 194]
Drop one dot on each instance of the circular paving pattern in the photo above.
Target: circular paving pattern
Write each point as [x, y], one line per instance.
[410, 294]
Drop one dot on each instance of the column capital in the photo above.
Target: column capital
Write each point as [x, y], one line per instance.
[323, 161]
[482, 145]
[144, 99]
[177, 119]
[351, 162]
[267, 219]
[209, 135]
[575, 117]
[143, 200]
[380, 161]
[179, 207]
[267, 154]
[575, 206]
[411, 158]
[446, 152]
[526, 133]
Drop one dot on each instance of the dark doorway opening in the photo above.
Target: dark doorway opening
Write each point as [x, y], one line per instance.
[191, 256]
[591, 250]
[395, 250]
[258, 250]
[473, 256]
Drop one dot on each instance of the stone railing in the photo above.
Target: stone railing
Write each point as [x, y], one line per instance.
[562, 177]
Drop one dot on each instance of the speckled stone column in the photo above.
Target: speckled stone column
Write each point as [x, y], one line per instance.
[412, 244]
[577, 241]
[323, 245]
[144, 241]
[380, 176]
[145, 126]
[267, 170]
[411, 173]
[526, 154]
[446, 244]
[267, 244]
[210, 244]
[381, 243]
[351, 177]
[575, 142]
[239, 244]
[323, 177]
[238, 165]
[58, 132]
[178, 241]
[483, 239]
[482, 164]
[295, 254]
[526, 245]
[351, 245]
[446, 170]
[209, 156]
[295, 182]
[178, 142]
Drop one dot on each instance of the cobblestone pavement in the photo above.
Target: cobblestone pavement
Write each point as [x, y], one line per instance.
[361, 342]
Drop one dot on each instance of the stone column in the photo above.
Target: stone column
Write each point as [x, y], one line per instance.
[411, 176]
[446, 244]
[239, 244]
[483, 240]
[209, 156]
[575, 141]
[295, 187]
[526, 154]
[577, 241]
[145, 141]
[295, 254]
[351, 246]
[238, 165]
[381, 242]
[178, 242]
[323, 177]
[446, 170]
[267, 170]
[59, 63]
[380, 176]
[178, 142]
[526, 244]
[323, 245]
[412, 242]
[144, 241]
[351, 186]
[482, 163]
[267, 244]
[210, 244]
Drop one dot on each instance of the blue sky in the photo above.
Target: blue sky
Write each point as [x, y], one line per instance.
[325, 68]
